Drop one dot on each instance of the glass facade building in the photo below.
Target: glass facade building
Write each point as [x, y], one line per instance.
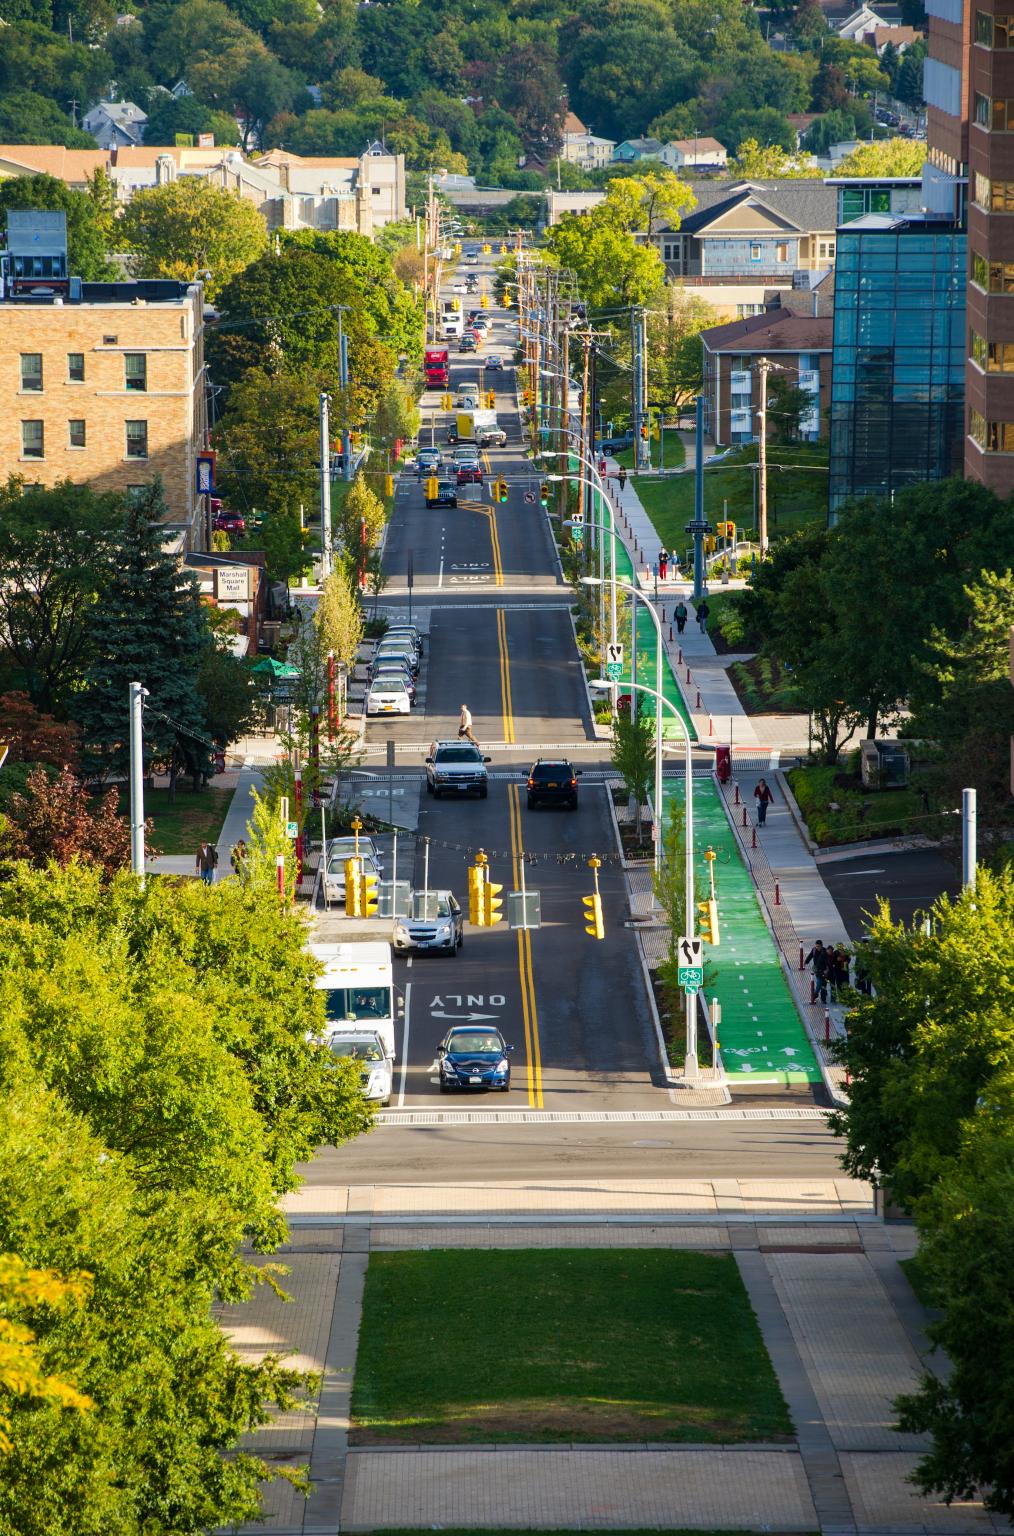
[898, 378]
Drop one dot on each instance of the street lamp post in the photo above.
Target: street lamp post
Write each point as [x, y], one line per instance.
[596, 485]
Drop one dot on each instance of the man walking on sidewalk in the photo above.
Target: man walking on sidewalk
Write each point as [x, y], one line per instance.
[681, 616]
[702, 615]
[622, 477]
[206, 863]
[763, 796]
[818, 959]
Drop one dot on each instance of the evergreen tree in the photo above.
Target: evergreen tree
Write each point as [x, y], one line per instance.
[150, 629]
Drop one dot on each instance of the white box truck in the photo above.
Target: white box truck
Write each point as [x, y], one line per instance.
[479, 427]
[358, 983]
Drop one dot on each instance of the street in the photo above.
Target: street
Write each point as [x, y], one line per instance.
[487, 591]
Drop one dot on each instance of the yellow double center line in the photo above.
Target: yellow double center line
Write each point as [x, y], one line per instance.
[494, 537]
[533, 1051]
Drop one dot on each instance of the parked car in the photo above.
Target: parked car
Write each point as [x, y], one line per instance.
[427, 462]
[397, 648]
[230, 522]
[447, 494]
[474, 1058]
[617, 442]
[388, 696]
[435, 922]
[552, 781]
[405, 632]
[338, 850]
[366, 1047]
[468, 343]
[396, 670]
[456, 767]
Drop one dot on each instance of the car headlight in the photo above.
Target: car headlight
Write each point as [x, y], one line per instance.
[401, 931]
[440, 777]
[444, 931]
[502, 1066]
[447, 1066]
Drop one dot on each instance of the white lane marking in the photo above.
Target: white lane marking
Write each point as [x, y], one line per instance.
[440, 573]
[404, 1046]
[419, 1116]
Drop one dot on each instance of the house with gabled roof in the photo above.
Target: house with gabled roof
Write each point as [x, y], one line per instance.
[759, 231]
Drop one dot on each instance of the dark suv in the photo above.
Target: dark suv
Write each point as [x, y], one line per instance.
[553, 781]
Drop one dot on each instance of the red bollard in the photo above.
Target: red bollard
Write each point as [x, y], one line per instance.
[778, 895]
[813, 990]
[802, 962]
[698, 704]
[663, 615]
[736, 801]
[711, 724]
[753, 838]
[827, 1025]
[280, 866]
[679, 657]
[670, 631]
[688, 674]
[744, 815]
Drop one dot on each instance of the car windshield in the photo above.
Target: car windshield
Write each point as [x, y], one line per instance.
[357, 1050]
[458, 755]
[391, 685]
[337, 860]
[342, 1003]
[475, 1042]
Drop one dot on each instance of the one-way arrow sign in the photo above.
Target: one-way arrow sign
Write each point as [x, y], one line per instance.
[691, 951]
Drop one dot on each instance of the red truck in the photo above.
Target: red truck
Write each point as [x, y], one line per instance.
[436, 363]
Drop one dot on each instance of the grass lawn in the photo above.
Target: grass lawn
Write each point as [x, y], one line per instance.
[675, 452]
[797, 494]
[862, 813]
[762, 685]
[572, 1344]
[181, 828]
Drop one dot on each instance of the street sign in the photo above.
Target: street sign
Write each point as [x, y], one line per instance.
[696, 527]
[524, 909]
[690, 961]
[530, 496]
[614, 660]
[292, 829]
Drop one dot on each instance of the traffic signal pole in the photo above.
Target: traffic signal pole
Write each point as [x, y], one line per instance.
[325, 487]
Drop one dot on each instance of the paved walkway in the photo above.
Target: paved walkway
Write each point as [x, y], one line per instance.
[842, 1327]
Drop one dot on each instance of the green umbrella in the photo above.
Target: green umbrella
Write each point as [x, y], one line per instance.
[276, 668]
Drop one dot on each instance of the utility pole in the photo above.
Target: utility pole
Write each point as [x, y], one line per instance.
[762, 458]
[563, 441]
[700, 526]
[137, 696]
[325, 488]
[642, 453]
[968, 839]
[343, 377]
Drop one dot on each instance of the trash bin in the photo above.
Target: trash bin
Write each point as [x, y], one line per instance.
[723, 764]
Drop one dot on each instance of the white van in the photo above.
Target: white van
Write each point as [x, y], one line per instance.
[358, 983]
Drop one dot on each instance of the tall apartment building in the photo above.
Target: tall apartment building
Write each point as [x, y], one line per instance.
[100, 383]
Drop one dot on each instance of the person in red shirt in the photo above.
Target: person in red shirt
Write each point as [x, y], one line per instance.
[763, 796]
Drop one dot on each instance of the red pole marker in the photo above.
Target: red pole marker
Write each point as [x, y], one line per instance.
[711, 724]
[813, 990]
[744, 815]
[280, 863]
[698, 704]
[670, 631]
[778, 895]
[753, 838]
[827, 1025]
[801, 960]
[736, 788]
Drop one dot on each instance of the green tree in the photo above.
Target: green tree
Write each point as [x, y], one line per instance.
[645, 203]
[170, 115]
[787, 404]
[189, 226]
[87, 250]
[26, 117]
[833, 128]
[55, 819]
[889, 157]
[611, 268]
[675, 358]
[394, 312]
[24, 1291]
[35, 58]
[758, 125]
[753, 161]
[632, 754]
[359, 520]
[150, 628]
[229, 699]
[339, 618]
[56, 558]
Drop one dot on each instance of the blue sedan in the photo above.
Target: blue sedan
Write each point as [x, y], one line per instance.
[474, 1058]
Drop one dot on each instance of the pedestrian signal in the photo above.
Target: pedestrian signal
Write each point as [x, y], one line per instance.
[491, 903]
[352, 888]
[708, 921]
[432, 488]
[593, 916]
[710, 543]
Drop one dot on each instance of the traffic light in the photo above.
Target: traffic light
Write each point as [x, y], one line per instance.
[484, 301]
[593, 916]
[476, 882]
[491, 903]
[526, 396]
[544, 493]
[491, 399]
[710, 543]
[388, 485]
[456, 304]
[708, 921]
[503, 250]
[644, 431]
[447, 401]
[352, 907]
[500, 490]
[432, 488]
[367, 894]
[485, 250]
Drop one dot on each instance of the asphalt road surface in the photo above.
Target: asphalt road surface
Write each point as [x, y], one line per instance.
[911, 880]
[487, 584]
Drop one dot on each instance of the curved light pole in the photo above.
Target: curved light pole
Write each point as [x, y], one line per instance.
[600, 525]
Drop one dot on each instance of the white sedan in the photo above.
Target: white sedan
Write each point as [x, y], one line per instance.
[367, 1049]
[388, 696]
[460, 287]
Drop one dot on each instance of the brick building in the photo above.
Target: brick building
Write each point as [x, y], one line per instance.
[797, 346]
[104, 383]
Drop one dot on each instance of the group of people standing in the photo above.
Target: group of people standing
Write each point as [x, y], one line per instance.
[830, 966]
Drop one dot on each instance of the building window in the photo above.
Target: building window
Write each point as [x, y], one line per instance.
[995, 112]
[135, 367]
[781, 251]
[32, 440]
[993, 31]
[994, 436]
[992, 356]
[137, 439]
[826, 249]
[755, 253]
[994, 196]
[75, 367]
[31, 372]
[76, 434]
[993, 276]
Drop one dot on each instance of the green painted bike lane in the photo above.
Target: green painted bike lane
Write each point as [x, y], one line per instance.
[761, 1035]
